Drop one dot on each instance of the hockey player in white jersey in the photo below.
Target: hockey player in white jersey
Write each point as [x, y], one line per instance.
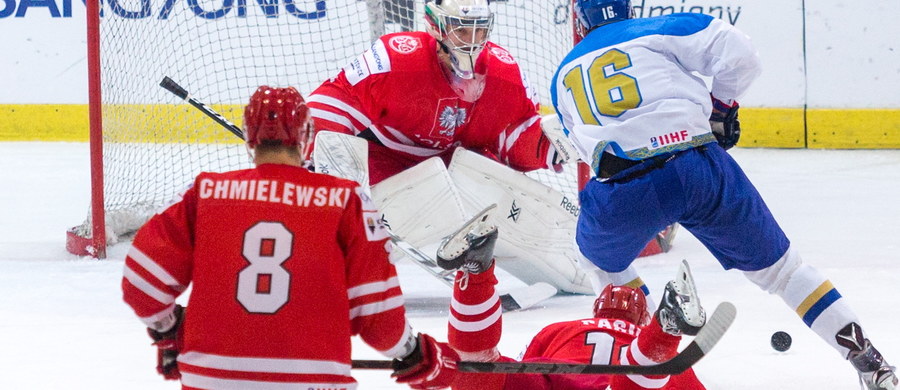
[656, 136]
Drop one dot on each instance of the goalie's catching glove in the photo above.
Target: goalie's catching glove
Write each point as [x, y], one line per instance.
[169, 344]
[724, 123]
[431, 365]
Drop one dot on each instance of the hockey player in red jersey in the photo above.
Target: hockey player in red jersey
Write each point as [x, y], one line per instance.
[284, 265]
[415, 95]
[621, 330]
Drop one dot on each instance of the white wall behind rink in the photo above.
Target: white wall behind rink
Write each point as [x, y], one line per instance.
[852, 52]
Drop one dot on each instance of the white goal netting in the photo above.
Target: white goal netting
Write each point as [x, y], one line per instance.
[221, 50]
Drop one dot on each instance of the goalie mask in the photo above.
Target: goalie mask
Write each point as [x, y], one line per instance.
[277, 115]
[624, 303]
[462, 28]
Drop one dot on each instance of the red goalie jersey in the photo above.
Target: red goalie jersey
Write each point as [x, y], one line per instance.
[284, 264]
[397, 95]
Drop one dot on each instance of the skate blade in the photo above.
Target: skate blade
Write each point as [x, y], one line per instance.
[457, 242]
[685, 288]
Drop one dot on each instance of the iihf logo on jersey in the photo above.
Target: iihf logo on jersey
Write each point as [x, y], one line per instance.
[666, 139]
[450, 119]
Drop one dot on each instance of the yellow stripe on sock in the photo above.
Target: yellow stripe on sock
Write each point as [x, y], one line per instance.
[814, 297]
[635, 284]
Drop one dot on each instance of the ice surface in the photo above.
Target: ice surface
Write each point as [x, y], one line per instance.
[64, 325]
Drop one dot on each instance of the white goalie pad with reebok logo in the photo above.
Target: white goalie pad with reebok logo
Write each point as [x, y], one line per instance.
[536, 222]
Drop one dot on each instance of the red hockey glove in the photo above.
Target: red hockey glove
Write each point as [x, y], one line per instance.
[169, 344]
[724, 123]
[431, 365]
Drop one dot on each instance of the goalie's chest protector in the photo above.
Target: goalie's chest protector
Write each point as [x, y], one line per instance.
[413, 102]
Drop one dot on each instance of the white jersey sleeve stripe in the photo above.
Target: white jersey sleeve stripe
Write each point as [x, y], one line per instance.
[413, 150]
[476, 326]
[501, 146]
[154, 319]
[399, 136]
[474, 310]
[639, 356]
[514, 136]
[336, 118]
[372, 288]
[404, 346]
[340, 105]
[645, 382]
[269, 365]
[205, 382]
[152, 267]
[147, 288]
[376, 307]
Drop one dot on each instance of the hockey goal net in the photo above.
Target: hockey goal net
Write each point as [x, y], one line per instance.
[153, 145]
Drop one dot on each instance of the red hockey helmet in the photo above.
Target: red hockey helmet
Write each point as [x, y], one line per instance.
[277, 114]
[622, 302]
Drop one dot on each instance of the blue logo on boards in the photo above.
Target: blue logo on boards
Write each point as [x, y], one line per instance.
[238, 8]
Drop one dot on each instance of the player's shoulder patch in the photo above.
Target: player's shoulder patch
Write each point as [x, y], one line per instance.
[404, 44]
[373, 223]
[502, 54]
[375, 60]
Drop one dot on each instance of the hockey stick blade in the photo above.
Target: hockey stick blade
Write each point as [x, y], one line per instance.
[170, 85]
[719, 322]
[423, 260]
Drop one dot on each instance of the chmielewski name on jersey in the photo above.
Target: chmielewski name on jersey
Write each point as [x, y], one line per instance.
[273, 191]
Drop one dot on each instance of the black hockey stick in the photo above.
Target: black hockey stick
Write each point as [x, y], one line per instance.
[171, 86]
[709, 335]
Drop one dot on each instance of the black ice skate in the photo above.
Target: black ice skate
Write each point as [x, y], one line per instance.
[471, 248]
[680, 311]
[874, 372]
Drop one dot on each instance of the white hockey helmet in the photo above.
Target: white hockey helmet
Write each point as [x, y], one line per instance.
[462, 27]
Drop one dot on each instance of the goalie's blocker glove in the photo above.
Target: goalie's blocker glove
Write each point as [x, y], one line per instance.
[724, 123]
[169, 344]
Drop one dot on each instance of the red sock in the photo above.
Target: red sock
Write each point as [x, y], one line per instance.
[475, 312]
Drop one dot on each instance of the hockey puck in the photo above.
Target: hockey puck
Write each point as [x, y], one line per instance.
[781, 341]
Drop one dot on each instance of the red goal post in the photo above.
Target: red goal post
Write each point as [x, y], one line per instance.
[146, 146]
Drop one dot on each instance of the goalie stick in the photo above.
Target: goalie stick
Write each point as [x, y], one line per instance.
[719, 322]
[518, 299]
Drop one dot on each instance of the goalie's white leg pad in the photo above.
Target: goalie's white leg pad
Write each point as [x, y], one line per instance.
[421, 204]
[342, 155]
[536, 222]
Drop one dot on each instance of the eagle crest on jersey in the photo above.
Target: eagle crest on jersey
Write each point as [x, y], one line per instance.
[450, 119]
